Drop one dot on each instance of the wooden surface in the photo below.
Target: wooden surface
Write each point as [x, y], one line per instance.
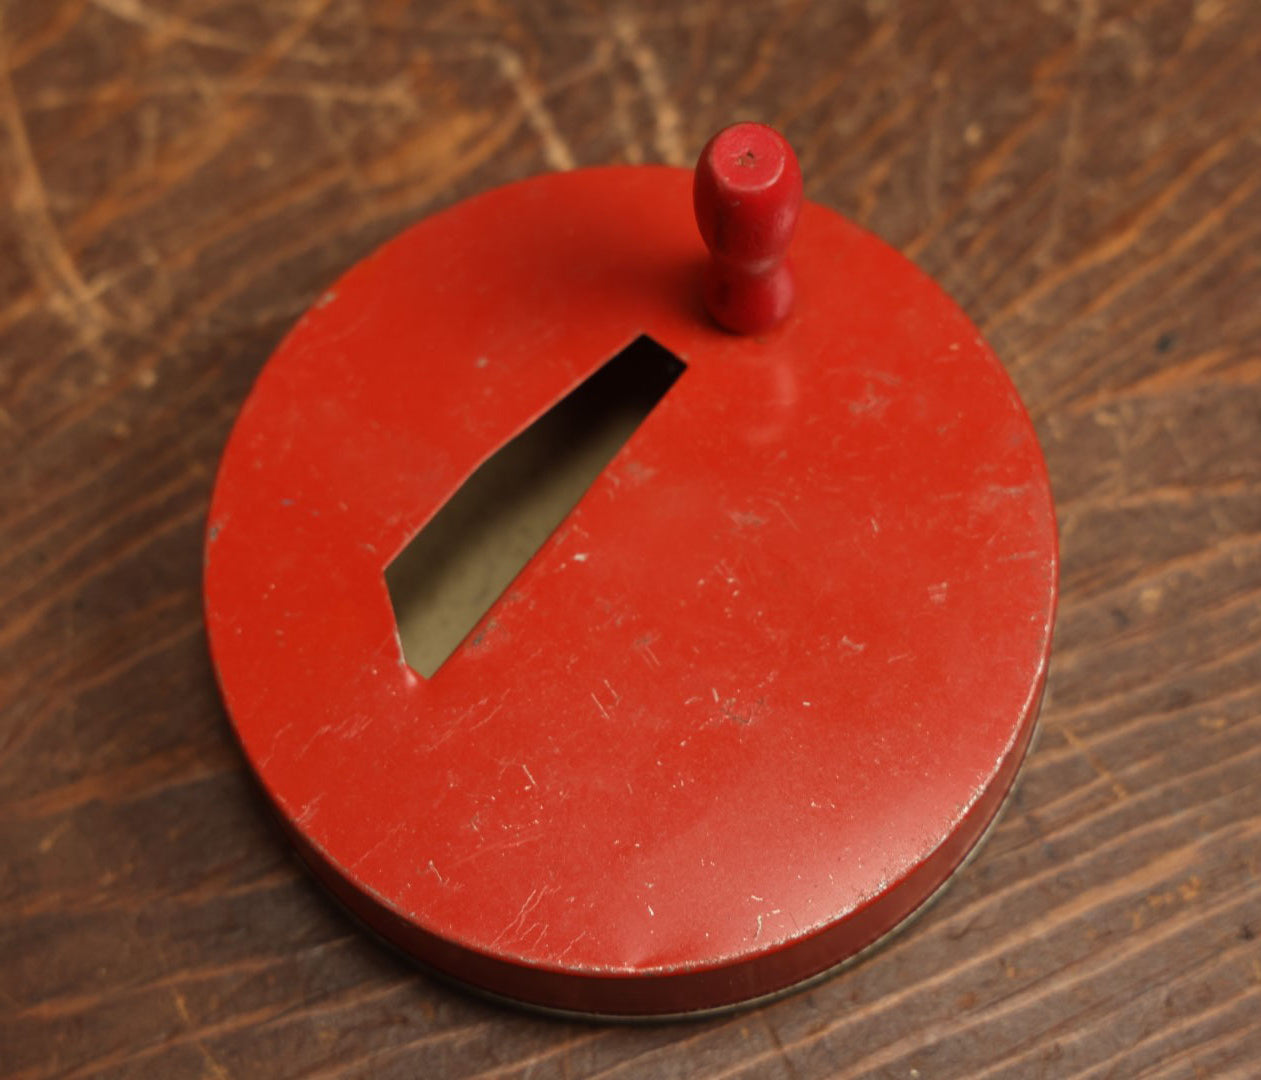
[181, 179]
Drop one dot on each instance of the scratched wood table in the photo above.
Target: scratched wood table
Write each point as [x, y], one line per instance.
[183, 177]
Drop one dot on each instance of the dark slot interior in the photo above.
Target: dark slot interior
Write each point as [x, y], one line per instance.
[460, 563]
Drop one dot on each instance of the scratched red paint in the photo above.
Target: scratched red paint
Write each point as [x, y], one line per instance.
[744, 711]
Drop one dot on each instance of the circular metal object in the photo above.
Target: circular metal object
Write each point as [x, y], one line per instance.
[753, 701]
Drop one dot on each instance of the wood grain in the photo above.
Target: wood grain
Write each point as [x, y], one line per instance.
[184, 176]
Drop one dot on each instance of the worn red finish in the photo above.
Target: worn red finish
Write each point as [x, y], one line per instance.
[745, 710]
[747, 196]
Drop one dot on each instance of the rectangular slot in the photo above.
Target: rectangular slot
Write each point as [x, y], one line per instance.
[461, 562]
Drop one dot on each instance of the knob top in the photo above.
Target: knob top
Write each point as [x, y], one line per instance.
[747, 195]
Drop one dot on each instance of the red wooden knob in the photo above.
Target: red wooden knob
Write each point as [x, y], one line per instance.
[747, 194]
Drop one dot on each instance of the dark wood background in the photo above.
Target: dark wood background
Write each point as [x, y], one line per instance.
[182, 177]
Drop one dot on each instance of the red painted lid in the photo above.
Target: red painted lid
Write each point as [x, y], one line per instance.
[751, 703]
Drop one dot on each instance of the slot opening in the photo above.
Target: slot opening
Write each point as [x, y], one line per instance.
[452, 572]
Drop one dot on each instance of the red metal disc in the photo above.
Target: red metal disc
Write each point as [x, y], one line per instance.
[754, 700]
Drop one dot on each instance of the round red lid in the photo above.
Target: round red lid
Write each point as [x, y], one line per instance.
[748, 706]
